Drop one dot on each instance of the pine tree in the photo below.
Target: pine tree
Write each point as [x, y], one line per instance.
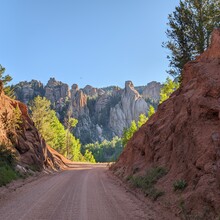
[89, 157]
[190, 27]
[69, 123]
[142, 120]
[151, 111]
[128, 133]
[53, 131]
[5, 80]
[40, 112]
[168, 88]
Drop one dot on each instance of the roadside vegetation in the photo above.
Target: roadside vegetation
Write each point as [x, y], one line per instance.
[10, 122]
[179, 185]
[147, 182]
[7, 166]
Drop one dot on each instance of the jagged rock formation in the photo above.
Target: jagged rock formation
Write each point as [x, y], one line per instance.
[92, 92]
[26, 91]
[129, 108]
[183, 136]
[152, 91]
[101, 113]
[56, 91]
[78, 102]
[30, 149]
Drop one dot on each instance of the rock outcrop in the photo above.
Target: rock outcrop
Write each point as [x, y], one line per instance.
[17, 131]
[78, 102]
[129, 108]
[183, 136]
[152, 91]
[92, 92]
[56, 91]
[26, 91]
[101, 113]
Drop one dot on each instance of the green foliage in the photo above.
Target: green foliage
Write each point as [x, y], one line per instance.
[11, 122]
[6, 155]
[7, 172]
[53, 131]
[71, 122]
[142, 120]
[41, 114]
[71, 141]
[89, 157]
[6, 79]
[47, 123]
[56, 135]
[128, 133]
[154, 193]
[106, 151]
[74, 149]
[190, 26]
[151, 111]
[179, 185]
[168, 88]
[147, 182]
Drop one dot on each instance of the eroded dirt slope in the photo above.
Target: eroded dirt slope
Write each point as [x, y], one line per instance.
[184, 137]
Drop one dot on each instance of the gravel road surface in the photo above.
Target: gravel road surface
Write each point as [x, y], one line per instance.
[84, 192]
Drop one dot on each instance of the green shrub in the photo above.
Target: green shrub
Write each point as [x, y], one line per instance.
[147, 182]
[179, 185]
[6, 155]
[154, 193]
[7, 172]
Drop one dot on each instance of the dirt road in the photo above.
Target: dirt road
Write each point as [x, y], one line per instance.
[83, 192]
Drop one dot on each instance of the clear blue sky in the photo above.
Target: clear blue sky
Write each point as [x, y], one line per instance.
[95, 42]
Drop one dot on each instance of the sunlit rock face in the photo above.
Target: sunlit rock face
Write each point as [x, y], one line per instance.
[152, 91]
[26, 91]
[56, 91]
[129, 108]
[29, 147]
[101, 113]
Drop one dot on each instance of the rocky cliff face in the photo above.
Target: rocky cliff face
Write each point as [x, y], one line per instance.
[56, 91]
[101, 113]
[183, 136]
[17, 131]
[93, 92]
[152, 91]
[129, 108]
[26, 91]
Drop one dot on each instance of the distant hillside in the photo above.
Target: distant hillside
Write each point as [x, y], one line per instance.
[101, 113]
